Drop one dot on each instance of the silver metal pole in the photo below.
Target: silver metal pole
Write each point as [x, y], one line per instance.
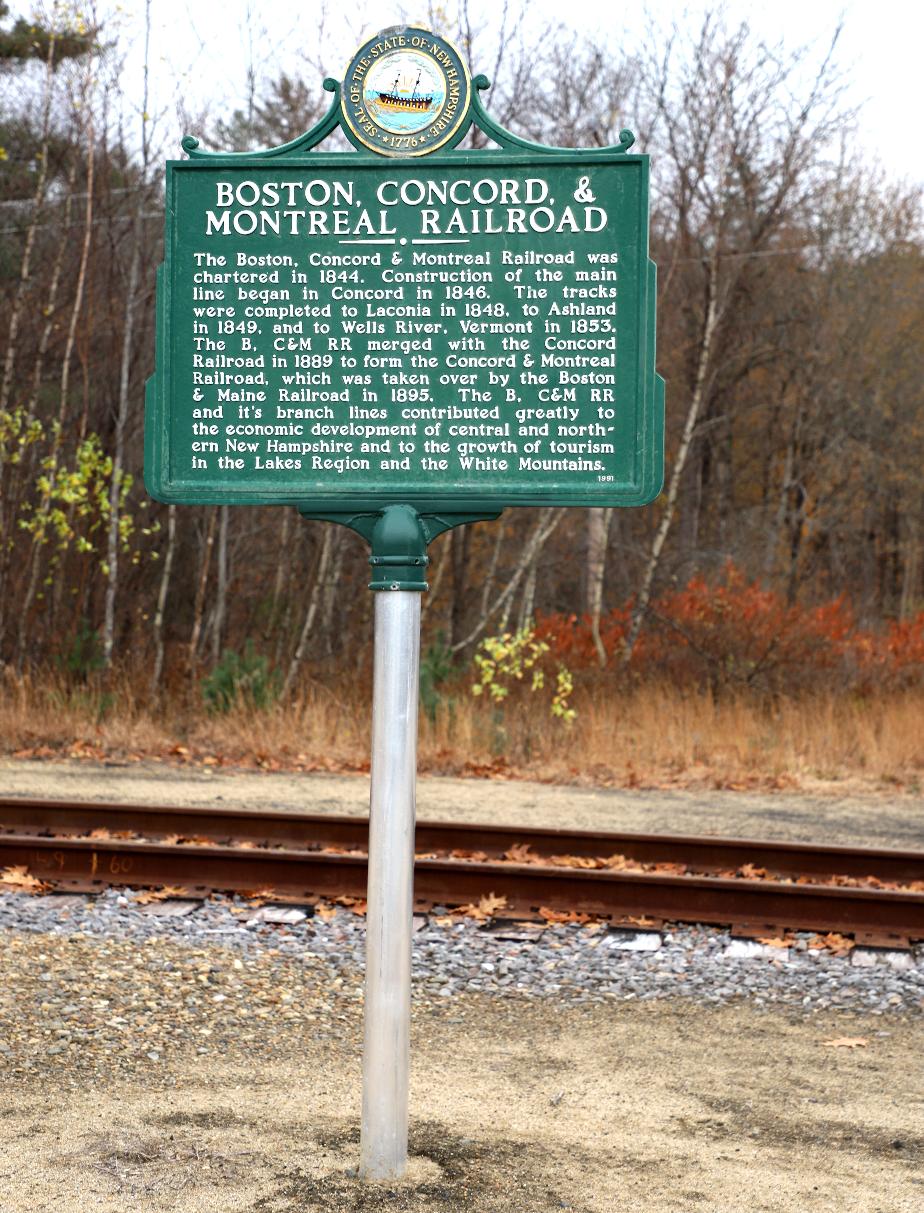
[387, 1014]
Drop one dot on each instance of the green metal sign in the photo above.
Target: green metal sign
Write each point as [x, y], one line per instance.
[460, 333]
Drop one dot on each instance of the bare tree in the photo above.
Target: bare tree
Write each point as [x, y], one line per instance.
[739, 158]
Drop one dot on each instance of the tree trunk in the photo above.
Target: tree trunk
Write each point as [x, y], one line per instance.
[779, 520]
[311, 611]
[911, 569]
[282, 563]
[460, 539]
[64, 387]
[51, 303]
[38, 202]
[528, 601]
[492, 568]
[548, 520]
[19, 302]
[219, 615]
[204, 561]
[598, 527]
[162, 593]
[128, 333]
[329, 591]
[670, 504]
[118, 455]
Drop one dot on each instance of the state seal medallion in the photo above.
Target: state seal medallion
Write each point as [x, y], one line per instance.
[406, 92]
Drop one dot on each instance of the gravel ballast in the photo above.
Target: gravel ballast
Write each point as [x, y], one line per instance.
[577, 964]
[197, 1064]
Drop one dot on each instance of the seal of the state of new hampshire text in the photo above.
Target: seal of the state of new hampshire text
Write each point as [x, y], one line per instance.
[406, 92]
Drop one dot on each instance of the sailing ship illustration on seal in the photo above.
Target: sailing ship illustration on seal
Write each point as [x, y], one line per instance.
[404, 91]
[414, 102]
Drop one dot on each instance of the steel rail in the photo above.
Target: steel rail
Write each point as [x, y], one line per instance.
[314, 831]
[887, 918]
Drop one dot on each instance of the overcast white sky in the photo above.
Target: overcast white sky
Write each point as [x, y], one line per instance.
[202, 48]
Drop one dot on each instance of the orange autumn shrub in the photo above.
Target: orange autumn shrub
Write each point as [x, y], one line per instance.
[900, 653]
[735, 633]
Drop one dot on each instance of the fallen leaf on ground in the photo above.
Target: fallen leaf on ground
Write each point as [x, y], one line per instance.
[187, 840]
[486, 908]
[777, 941]
[566, 916]
[619, 863]
[751, 872]
[521, 852]
[847, 1042]
[356, 904]
[257, 897]
[147, 896]
[498, 769]
[19, 877]
[839, 945]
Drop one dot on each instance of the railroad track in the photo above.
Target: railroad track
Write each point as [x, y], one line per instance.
[755, 887]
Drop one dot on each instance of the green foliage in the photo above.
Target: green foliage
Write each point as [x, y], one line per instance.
[74, 507]
[503, 663]
[85, 654]
[436, 670]
[286, 110]
[26, 40]
[80, 661]
[18, 431]
[88, 701]
[23, 145]
[241, 678]
[74, 504]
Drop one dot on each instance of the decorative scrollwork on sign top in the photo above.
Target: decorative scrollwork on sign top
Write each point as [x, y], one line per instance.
[477, 115]
[483, 120]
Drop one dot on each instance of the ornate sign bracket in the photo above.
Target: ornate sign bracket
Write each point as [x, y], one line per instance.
[476, 115]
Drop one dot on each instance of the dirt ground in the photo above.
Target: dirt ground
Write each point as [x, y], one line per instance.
[517, 1108]
[835, 816]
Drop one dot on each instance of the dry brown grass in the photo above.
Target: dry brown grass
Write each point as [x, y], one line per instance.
[657, 736]
[651, 736]
[157, 1164]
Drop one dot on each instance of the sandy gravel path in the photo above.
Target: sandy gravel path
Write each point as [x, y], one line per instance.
[518, 1106]
[852, 819]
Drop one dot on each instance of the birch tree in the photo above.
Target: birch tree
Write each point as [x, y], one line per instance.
[132, 289]
[739, 152]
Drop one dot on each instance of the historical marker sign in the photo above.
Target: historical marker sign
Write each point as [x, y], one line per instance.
[402, 339]
[472, 330]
